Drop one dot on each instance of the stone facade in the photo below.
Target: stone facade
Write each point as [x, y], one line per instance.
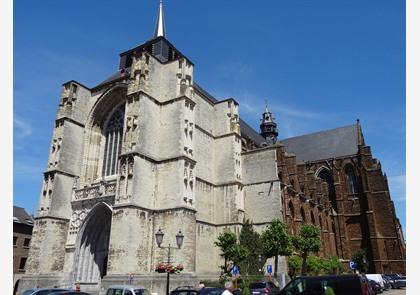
[180, 167]
[149, 149]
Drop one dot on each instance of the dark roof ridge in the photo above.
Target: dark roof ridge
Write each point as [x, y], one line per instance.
[318, 132]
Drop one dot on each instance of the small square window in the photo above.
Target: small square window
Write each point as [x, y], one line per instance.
[26, 242]
[14, 241]
[22, 263]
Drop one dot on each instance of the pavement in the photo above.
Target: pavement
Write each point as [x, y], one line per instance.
[394, 292]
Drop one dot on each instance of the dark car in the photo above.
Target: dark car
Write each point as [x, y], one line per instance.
[263, 288]
[321, 285]
[43, 291]
[396, 281]
[376, 288]
[185, 290]
[387, 284]
[211, 291]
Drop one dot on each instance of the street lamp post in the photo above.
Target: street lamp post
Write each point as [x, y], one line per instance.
[159, 239]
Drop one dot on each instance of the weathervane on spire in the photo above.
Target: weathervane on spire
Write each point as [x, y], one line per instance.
[160, 24]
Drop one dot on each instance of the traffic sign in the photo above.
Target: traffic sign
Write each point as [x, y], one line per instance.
[270, 269]
[353, 265]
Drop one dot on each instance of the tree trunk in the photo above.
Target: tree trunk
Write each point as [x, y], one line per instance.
[276, 260]
[304, 257]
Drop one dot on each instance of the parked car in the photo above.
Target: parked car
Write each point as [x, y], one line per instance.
[319, 285]
[387, 284]
[191, 290]
[43, 291]
[396, 281]
[376, 288]
[185, 290]
[377, 278]
[127, 290]
[211, 291]
[263, 288]
[72, 292]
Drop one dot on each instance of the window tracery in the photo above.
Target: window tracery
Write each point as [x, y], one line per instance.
[113, 133]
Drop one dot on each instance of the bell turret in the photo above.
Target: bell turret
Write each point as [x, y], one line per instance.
[268, 127]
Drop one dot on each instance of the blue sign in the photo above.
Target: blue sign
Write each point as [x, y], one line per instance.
[269, 268]
[235, 270]
[353, 265]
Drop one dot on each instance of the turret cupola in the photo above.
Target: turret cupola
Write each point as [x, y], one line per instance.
[268, 127]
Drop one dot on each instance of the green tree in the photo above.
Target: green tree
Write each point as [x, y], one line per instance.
[226, 241]
[294, 263]
[314, 265]
[336, 267]
[239, 254]
[361, 260]
[251, 241]
[306, 242]
[276, 241]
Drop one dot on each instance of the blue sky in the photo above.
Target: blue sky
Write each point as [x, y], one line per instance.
[320, 64]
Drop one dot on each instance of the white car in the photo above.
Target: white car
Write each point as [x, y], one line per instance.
[126, 290]
[377, 278]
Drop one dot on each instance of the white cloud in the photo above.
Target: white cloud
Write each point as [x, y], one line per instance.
[22, 128]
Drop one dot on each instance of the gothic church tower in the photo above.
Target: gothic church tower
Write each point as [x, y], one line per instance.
[144, 150]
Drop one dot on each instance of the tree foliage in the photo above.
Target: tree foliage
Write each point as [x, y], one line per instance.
[250, 240]
[361, 260]
[315, 265]
[294, 263]
[226, 241]
[276, 241]
[306, 242]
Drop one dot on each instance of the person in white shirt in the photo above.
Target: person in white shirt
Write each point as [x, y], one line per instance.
[228, 289]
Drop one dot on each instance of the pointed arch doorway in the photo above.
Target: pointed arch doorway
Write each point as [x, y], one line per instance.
[92, 245]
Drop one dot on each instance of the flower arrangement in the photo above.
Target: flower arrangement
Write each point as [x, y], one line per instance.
[168, 267]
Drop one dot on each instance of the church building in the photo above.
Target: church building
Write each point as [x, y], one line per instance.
[148, 150]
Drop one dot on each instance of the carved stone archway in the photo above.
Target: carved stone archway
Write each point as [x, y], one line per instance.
[92, 245]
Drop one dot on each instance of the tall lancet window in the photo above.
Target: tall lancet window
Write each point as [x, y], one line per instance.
[113, 133]
[351, 181]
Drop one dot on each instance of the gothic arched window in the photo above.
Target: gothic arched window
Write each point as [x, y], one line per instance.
[113, 133]
[302, 214]
[291, 210]
[312, 218]
[327, 178]
[351, 181]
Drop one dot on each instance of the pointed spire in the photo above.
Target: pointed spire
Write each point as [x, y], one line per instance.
[360, 139]
[160, 24]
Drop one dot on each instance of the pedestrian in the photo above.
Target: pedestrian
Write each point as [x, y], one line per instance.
[228, 289]
[201, 285]
[77, 287]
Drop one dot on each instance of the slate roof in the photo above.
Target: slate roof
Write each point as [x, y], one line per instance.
[120, 74]
[21, 216]
[248, 131]
[333, 143]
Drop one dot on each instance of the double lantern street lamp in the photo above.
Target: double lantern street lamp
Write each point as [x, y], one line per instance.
[159, 239]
